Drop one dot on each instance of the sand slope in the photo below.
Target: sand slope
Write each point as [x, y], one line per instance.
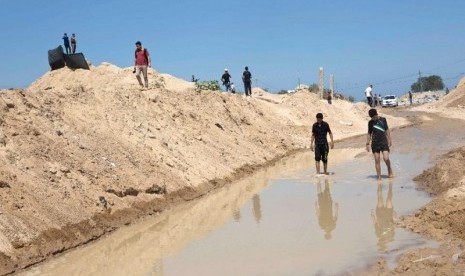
[451, 105]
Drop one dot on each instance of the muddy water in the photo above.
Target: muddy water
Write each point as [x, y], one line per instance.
[282, 220]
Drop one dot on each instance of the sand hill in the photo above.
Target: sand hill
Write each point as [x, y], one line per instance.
[84, 152]
[451, 105]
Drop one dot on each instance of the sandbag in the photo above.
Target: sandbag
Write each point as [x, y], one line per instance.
[56, 58]
[76, 61]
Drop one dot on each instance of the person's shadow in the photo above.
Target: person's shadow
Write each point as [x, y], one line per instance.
[384, 218]
[324, 209]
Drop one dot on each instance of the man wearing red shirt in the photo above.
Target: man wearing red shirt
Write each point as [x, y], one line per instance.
[141, 63]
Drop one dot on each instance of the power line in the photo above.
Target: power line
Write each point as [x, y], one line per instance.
[447, 65]
[266, 85]
[408, 76]
[460, 75]
[420, 81]
[379, 82]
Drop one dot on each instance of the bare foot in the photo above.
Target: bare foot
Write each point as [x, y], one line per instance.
[391, 175]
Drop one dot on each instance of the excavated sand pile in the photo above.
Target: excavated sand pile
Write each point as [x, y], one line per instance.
[451, 105]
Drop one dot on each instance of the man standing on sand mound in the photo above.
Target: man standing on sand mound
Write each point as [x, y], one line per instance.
[320, 130]
[380, 136]
[141, 62]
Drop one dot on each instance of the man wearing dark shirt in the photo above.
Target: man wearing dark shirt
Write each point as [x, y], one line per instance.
[247, 79]
[320, 130]
[226, 79]
[380, 137]
[66, 43]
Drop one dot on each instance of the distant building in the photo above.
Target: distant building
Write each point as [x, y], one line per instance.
[302, 87]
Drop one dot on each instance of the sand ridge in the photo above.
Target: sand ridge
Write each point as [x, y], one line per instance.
[451, 105]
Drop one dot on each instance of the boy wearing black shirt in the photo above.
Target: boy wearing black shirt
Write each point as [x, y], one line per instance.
[226, 79]
[320, 129]
[247, 79]
[380, 137]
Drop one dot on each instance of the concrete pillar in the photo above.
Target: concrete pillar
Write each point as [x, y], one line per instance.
[321, 82]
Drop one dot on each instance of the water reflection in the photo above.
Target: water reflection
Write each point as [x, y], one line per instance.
[324, 209]
[157, 269]
[383, 217]
[257, 209]
[237, 215]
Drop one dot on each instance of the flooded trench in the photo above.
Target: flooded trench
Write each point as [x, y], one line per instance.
[282, 220]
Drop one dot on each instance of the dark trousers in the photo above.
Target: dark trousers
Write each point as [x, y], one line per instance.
[227, 86]
[370, 101]
[321, 152]
[68, 49]
[248, 88]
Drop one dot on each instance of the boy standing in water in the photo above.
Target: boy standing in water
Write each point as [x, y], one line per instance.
[320, 130]
[380, 137]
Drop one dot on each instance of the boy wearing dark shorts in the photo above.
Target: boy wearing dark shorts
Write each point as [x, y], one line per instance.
[320, 130]
[380, 137]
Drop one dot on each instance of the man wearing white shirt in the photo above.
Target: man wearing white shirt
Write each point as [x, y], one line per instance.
[369, 95]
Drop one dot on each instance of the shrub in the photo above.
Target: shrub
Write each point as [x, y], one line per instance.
[208, 85]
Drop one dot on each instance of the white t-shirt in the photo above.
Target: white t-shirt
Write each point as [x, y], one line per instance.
[368, 91]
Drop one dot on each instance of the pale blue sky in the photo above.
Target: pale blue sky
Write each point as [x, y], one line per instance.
[360, 42]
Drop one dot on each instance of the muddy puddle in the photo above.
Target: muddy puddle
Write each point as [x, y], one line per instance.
[281, 221]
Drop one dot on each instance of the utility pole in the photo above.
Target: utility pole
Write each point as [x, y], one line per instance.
[331, 83]
[321, 82]
[419, 81]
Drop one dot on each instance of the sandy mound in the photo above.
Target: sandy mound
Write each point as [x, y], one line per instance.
[300, 108]
[174, 84]
[457, 99]
[442, 219]
[446, 174]
[451, 105]
[83, 152]
[421, 96]
[447, 211]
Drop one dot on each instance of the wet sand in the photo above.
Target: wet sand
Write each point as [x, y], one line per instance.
[282, 220]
